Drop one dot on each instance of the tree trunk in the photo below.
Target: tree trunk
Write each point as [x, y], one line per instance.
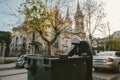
[49, 49]
[91, 42]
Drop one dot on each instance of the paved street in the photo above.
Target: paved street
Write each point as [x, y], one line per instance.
[15, 77]
[13, 74]
[9, 72]
[106, 75]
[21, 74]
[7, 66]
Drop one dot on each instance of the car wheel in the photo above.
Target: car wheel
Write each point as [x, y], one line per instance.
[25, 65]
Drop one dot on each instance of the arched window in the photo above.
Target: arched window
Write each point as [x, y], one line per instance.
[17, 41]
[24, 41]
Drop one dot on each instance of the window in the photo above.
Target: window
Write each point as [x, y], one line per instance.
[117, 54]
[17, 41]
[24, 42]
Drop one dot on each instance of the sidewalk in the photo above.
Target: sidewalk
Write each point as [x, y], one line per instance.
[13, 72]
[7, 70]
[7, 66]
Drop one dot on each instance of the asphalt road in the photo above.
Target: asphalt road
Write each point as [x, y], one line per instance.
[106, 75]
[21, 74]
[13, 74]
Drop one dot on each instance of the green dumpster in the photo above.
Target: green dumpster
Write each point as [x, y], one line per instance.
[57, 68]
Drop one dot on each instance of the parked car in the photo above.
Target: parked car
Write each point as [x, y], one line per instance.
[107, 60]
[21, 61]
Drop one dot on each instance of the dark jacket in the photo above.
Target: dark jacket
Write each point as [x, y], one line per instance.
[80, 48]
[74, 51]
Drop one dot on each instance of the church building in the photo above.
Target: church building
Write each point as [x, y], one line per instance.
[22, 41]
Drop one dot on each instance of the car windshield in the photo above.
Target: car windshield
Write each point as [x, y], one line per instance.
[22, 56]
[105, 54]
[117, 54]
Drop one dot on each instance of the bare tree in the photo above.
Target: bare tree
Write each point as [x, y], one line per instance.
[94, 13]
[105, 31]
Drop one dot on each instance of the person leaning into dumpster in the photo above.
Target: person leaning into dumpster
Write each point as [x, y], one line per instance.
[75, 40]
[80, 48]
[83, 49]
[75, 50]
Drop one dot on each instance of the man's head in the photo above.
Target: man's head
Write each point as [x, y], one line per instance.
[75, 40]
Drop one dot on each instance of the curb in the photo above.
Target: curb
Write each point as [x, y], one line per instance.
[7, 66]
[13, 74]
[2, 69]
[117, 77]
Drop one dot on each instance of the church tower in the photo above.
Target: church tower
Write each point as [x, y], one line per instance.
[67, 19]
[79, 20]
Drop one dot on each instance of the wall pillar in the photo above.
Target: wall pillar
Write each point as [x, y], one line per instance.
[3, 51]
[0, 49]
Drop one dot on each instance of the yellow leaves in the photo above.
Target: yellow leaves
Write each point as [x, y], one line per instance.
[43, 18]
[34, 8]
[115, 44]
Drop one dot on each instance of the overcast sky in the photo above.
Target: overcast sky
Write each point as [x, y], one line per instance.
[9, 7]
[113, 12]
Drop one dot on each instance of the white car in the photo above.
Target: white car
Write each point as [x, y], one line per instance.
[107, 60]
